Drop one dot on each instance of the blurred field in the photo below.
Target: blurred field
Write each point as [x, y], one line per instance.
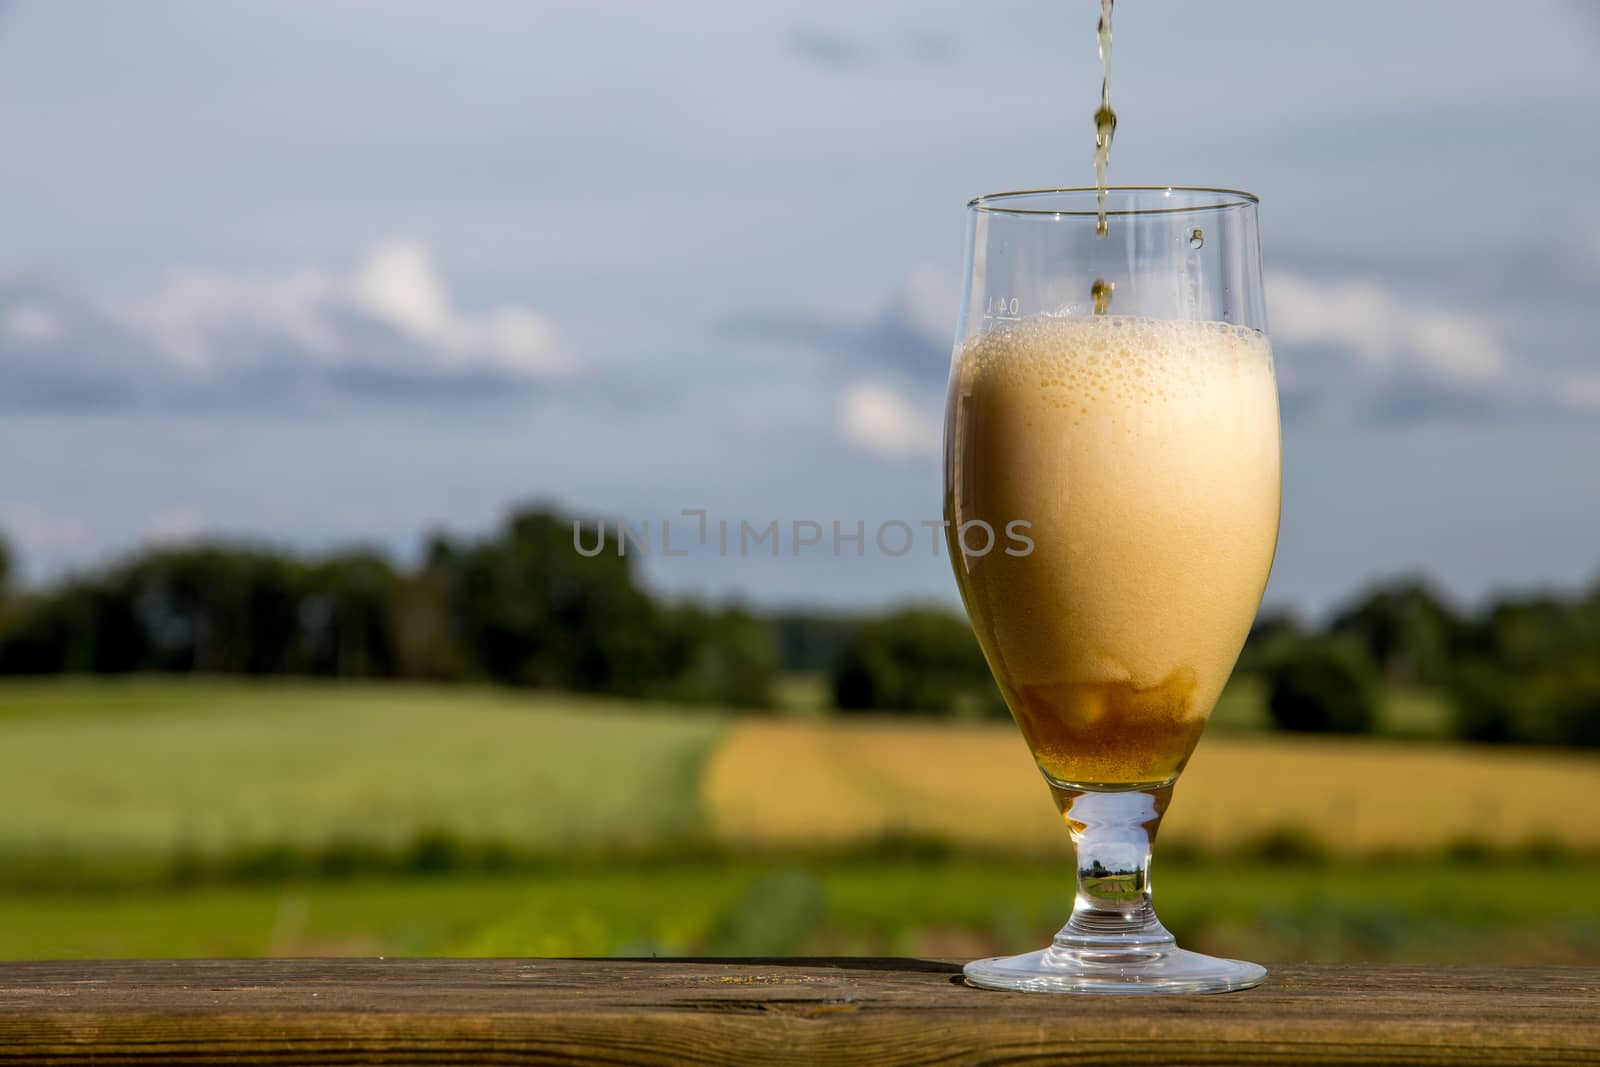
[154, 767]
[1404, 712]
[520, 824]
[157, 767]
[951, 907]
[804, 782]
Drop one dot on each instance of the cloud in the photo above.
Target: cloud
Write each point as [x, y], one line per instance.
[387, 329]
[1385, 333]
[825, 48]
[878, 420]
[31, 324]
[1358, 348]
[908, 334]
[397, 284]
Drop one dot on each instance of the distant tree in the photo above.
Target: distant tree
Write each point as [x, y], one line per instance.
[536, 612]
[5, 594]
[215, 609]
[223, 609]
[1271, 633]
[1555, 702]
[427, 641]
[726, 657]
[809, 642]
[522, 607]
[1407, 629]
[1486, 704]
[347, 617]
[532, 610]
[1567, 699]
[916, 660]
[1520, 634]
[1325, 685]
[50, 634]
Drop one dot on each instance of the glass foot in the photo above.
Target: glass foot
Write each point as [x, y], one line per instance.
[1060, 970]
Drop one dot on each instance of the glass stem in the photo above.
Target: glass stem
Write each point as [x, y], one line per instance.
[1111, 836]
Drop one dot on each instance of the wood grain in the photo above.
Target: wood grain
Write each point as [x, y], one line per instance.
[867, 1011]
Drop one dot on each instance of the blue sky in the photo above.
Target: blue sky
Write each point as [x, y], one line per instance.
[335, 273]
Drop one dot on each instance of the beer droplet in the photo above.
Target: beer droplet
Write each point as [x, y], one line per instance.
[1197, 238]
[1101, 292]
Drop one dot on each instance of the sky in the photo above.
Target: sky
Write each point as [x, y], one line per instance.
[345, 273]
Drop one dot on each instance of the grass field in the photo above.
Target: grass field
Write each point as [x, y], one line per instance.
[1406, 911]
[144, 766]
[635, 829]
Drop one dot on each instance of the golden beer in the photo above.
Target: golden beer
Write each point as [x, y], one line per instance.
[1145, 455]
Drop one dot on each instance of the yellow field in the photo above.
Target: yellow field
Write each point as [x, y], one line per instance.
[797, 783]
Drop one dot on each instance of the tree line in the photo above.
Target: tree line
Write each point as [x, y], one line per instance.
[521, 607]
[1523, 669]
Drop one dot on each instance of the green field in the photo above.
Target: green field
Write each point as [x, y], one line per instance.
[144, 768]
[1404, 911]
[156, 817]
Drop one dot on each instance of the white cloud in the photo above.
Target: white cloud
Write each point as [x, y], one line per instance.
[397, 283]
[389, 324]
[29, 323]
[1350, 348]
[1386, 333]
[185, 320]
[880, 421]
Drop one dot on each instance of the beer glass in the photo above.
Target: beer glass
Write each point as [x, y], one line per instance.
[1112, 400]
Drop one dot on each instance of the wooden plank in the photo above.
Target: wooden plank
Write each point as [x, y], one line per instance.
[868, 1011]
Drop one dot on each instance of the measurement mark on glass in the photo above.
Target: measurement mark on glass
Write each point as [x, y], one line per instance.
[1002, 309]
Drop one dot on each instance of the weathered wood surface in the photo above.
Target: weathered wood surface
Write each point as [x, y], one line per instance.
[770, 1011]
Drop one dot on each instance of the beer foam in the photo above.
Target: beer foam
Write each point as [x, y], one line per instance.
[1144, 453]
[1075, 361]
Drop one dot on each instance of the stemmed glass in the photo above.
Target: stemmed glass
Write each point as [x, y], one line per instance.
[1112, 407]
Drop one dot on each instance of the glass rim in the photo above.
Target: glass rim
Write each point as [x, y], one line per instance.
[1211, 198]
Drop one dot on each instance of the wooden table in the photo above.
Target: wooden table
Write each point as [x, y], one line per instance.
[878, 1011]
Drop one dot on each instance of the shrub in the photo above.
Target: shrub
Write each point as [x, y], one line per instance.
[1553, 703]
[1270, 635]
[1323, 686]
[1407, 629]
[916, 660]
